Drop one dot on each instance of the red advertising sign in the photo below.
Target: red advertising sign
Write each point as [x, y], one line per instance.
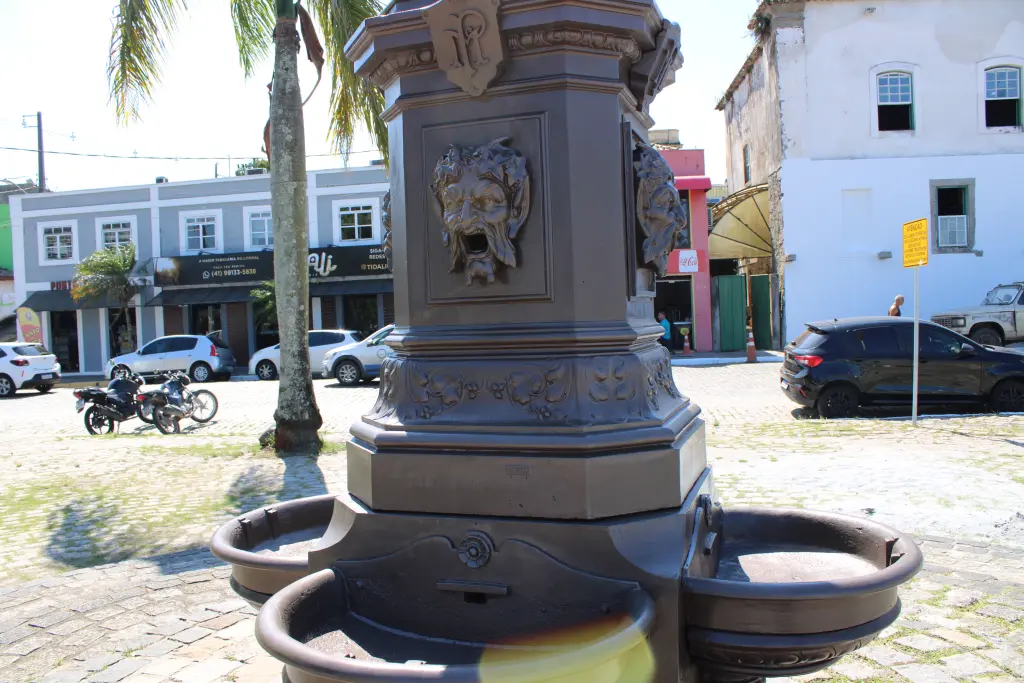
[686, 261]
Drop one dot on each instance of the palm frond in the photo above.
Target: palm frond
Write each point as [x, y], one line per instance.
[264, 300]
[254, 27]
[137, 46]
[109, 273]
[353, 99]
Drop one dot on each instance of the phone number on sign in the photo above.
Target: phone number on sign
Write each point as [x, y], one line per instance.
[233, 272]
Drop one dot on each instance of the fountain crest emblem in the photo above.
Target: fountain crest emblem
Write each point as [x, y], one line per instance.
[467, 41]
[483, 197]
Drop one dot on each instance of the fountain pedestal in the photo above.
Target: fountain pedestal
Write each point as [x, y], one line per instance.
[529, 498]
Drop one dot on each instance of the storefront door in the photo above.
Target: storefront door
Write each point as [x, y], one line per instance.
[204, 319]
[122, 336]
[64, 339]
[361, 313]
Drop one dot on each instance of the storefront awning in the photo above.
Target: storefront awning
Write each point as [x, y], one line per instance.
[202, 295]
[741, 225]
[61, 300]
[378, 286]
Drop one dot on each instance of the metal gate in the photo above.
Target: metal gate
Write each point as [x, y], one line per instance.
[761, 310]
[732, 311]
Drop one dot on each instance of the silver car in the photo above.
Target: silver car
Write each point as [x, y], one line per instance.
[203, 358]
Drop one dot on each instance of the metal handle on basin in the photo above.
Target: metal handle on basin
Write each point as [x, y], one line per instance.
[274, 634]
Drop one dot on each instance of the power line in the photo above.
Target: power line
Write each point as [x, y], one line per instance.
[174, 158]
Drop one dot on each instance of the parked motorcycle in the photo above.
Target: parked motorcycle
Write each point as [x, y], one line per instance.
[174, 401]
[116, 403]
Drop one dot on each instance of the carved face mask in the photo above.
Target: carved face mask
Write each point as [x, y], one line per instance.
[660, 212]
[482, 196]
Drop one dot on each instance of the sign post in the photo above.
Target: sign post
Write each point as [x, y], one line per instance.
[915, 255]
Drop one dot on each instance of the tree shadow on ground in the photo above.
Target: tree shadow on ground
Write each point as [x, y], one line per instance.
[91, 530]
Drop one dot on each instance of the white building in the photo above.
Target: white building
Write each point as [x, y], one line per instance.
[863, 115]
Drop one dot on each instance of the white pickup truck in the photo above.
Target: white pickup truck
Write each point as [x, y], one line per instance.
[998, 321]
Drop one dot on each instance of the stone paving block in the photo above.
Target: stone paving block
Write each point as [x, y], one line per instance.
[223, 621]
[854, 670]
[958, 638]
[159, 648]
[191, 635]
[165, 666]
[105, 613]
[169, 628]
[136, 643]
[199, 615]
[27, 645]
[243, 629]
[139, 677]
[69, 675]
[924, 673]
[119, 671]
[206, 672]
[100, 662]
[923, 643]
[962, 598]
[133, 603]
[886, 656]
[965, 665]
[85, 636]
[1006, 658]
[266, 669]
[48, 620]
[227, 606]
[16, 634]
[1001, 612]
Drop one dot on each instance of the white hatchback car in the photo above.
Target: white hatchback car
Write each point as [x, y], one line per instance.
[359, 362]
[265, 362]
[24, 365]
[202, 357]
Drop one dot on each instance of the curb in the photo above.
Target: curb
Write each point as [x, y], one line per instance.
[707, 362]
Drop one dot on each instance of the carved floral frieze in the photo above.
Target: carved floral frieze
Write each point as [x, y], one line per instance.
[569, 391]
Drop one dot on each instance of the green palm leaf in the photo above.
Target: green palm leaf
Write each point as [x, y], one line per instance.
[137, 47]
[109, 273]
[254, 27]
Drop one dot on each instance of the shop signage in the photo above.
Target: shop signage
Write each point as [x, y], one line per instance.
[28, 323]
[226, 269]
[61, 286]
[688, 261]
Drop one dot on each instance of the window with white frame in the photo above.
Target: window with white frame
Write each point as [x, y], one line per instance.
[895, 101]
[355, 223]
[57, 243]
[115, 234]
[1003, 97]
[953, 225]
[260, 227]
[201, 232]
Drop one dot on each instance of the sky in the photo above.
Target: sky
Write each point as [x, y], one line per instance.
[54, 57]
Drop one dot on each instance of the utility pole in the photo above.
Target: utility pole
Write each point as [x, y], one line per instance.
[39, 132]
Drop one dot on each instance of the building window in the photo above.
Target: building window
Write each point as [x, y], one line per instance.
[200, 231]
[895, 101]
[746, 164]
[953, 216]
[356, 223]
[116, 232]
[1003, 97]
[259, 226]
[711, 220]
[58, 243]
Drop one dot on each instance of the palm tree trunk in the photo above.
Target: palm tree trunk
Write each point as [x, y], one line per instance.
[297, 416]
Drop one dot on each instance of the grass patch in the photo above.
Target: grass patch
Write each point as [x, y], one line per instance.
[938, 598]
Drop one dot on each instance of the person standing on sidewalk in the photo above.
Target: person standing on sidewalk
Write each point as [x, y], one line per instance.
[666, 338]
[894, 310]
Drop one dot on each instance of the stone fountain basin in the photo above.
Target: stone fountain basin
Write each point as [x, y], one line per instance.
[310, 626]
[268, 547]
[791, 591]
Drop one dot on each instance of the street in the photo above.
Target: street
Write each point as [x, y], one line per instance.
[104, 573]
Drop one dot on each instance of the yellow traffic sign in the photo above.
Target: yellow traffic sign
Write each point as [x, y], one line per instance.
[915, 243]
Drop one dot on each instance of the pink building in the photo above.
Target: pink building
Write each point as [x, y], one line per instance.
[685, 293]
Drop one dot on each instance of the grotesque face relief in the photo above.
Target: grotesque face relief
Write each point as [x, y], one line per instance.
[385, 219]
[483, 197]
[659, 210]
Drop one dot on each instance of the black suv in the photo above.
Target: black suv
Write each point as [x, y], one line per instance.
[839, 365]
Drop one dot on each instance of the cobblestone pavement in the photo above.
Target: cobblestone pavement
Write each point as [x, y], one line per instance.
[104, 577]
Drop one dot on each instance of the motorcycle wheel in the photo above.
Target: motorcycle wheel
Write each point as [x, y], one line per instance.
[145, 412]
[97, 423]
[165, 422]
[204, 406]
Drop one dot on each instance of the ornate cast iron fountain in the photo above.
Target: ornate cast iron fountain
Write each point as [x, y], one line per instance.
[529, 498]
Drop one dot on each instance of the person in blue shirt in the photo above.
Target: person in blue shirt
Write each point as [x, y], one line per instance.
[666, 339]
